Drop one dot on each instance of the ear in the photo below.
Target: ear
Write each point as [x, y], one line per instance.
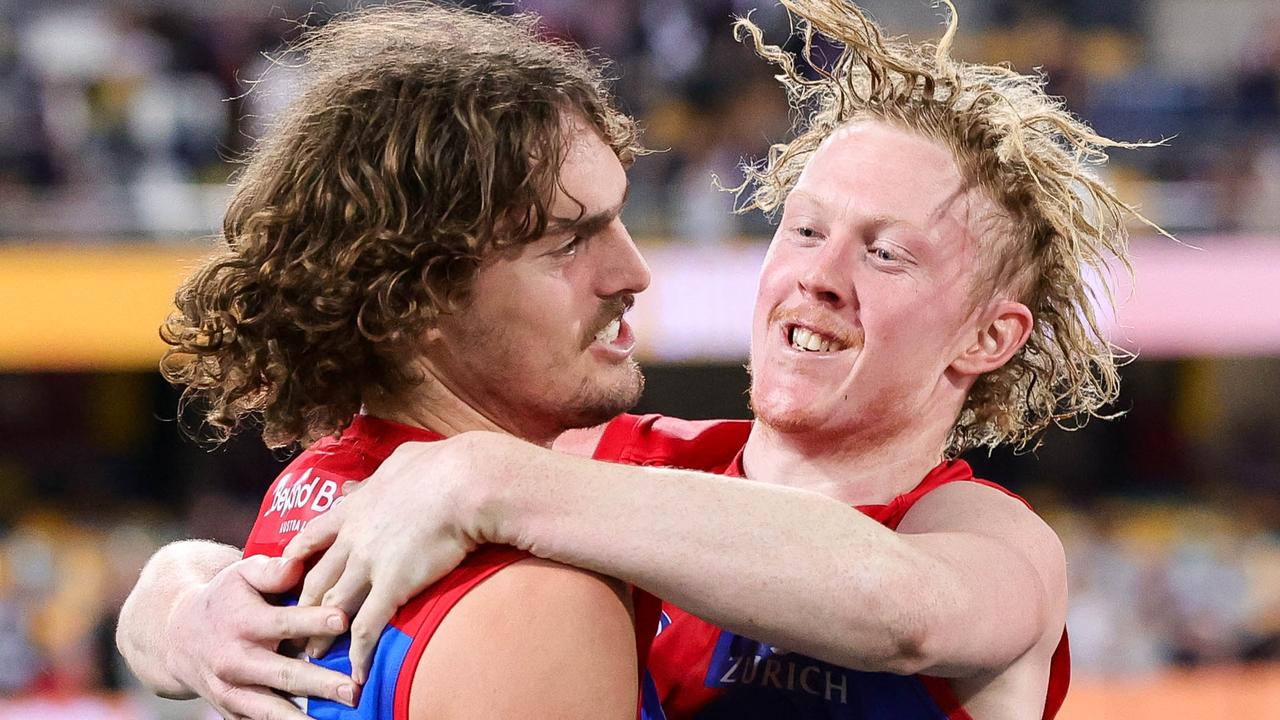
[1006, 329]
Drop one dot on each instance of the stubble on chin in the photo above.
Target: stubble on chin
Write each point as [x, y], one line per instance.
[787, 419]
[596, 405]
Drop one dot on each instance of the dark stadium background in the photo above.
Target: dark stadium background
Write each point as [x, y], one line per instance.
[117, 120]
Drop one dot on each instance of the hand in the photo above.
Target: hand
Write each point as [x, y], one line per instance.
[392, 537]
[223, 638]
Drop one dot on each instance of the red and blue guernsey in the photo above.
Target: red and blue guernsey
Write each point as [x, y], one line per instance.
[703, 672]
[310, 486]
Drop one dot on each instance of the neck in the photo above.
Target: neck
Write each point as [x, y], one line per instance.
[433, 405]
[855, 470]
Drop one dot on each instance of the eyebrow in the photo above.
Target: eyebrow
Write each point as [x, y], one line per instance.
[880, 221]
[591, 223]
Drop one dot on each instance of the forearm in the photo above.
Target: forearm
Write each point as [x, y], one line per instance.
[785, 566]
[173, 571]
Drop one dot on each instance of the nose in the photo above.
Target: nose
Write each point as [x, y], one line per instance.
[624, 270]
[828, 279]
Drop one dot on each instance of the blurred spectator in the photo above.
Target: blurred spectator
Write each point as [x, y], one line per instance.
[122, 120]
[125, 117]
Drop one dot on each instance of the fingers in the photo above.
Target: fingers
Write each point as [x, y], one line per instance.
[367, 627]
[294, 677]
[319, 534]
[294, 623]
[318, 646]
[323, 575]
[269, 575]
[245, 703]
[349, 592]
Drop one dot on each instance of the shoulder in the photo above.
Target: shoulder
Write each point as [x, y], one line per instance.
[985, 510]
[975, 507]
[536, 638]
[308, 487]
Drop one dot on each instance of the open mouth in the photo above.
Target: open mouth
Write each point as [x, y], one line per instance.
[809, 340]
[615, 340]
[609, 333]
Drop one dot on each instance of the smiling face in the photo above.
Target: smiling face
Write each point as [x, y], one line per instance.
[542, 345]
[864, 321]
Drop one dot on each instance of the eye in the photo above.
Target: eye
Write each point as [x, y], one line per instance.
[806, 233]
[883, 254]
[570, 247]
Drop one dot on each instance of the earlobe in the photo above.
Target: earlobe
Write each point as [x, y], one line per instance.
[1004, 334]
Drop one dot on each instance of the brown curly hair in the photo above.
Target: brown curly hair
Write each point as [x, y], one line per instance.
[1027, 152]
[424, 139]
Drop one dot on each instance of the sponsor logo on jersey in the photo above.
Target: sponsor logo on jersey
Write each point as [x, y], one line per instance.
[308, 492]
[764, 681]
[745, 662]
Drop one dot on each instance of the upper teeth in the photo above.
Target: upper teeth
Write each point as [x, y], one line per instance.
[802, 339]
[609, 332]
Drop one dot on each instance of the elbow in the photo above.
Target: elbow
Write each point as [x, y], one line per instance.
[886, 636]
[909, 650]
[913, 618]
[934, 638]
[900, 618]
[142, 653]
[127, 642]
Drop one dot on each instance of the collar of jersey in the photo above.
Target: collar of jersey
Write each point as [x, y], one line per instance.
[379, 434]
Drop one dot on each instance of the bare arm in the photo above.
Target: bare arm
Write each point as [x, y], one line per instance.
[970, 583]
[175, 570]
[536, 640]
[196, 624]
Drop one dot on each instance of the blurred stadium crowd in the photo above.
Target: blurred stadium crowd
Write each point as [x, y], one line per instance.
[120, 118]
[121, 121]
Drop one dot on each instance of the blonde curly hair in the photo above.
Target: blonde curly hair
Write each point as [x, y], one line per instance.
[1022, 147]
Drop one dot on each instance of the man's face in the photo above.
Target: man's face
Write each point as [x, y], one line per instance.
[542, 345]
[865, 298]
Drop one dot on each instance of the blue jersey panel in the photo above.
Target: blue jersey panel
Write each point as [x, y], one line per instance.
[377, 699]
[760, 681]
[650, 704]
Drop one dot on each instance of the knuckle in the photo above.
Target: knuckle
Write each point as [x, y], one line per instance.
[218, 668]
[285, 677]
[239, 626]
[230, 697]
[364, 631]
[211, 686]
[251, 564]
[285, 625]
[349, 549]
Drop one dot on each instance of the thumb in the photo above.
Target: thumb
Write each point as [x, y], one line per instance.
[270, 575]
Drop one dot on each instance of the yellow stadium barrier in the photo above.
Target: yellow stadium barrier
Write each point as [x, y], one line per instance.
[87, 307]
